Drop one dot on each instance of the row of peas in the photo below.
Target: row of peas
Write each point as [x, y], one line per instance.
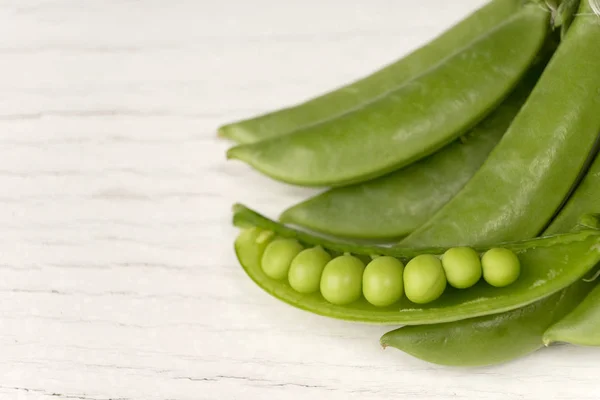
[384, 280]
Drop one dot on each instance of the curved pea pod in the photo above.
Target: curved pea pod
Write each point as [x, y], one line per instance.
[581, 326]
[547, 265]
[365, 90]
[413, 120]
[505, 336]
[489, 339]
[541, 157]
[394, 205]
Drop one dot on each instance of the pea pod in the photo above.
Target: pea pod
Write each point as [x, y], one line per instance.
[501, 337]
[490, 339]
[548, 265]
[365, 90]
[411, 121]
[531, 172]
[581, 326]
[396, 204]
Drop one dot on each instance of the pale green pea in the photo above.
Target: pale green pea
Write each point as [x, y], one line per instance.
[306, 269]
[341, 281]
[501, 267]
[383, 282]
[424, 279]
[462, 267]
[278, 256]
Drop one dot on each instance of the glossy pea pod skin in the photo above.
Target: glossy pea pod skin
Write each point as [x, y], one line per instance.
[531, 172]
[581, 326]
[394, 205]
[502, 337]
[411, 121]
[548, 266]
[489, 339]
[365, 90]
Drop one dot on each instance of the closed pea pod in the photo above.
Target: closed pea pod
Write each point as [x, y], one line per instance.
[394, 205]
[581, 326]
[497, 338]
[487, 340]
[531, 172]
[411, 121]
[365, 90]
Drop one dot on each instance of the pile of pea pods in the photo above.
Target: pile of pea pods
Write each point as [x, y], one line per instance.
[462, 189]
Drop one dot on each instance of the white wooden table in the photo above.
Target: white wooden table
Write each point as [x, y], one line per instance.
[117, 275]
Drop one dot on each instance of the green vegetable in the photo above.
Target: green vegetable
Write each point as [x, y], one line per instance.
[487, 340]
[365, 90]
[462, 267]
[383, 282]
[502, 337]
[396, 204]
[278, 256]
[565, 14]
[581, 326]
[411, 121]
[306, 269]
[548, 265]
[531, 172]
[424, 279]
[341, 282]
[501, 267]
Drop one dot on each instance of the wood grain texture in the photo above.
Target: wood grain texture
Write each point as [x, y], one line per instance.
[117, 275]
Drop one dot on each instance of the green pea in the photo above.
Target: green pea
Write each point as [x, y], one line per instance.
[424, 279]
[278, 256]
[306, 269]
[382, 281]
[462, 267]
[501, 267]
[341, 282]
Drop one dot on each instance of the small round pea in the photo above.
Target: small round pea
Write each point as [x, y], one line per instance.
[462, 267]
[278, 256]
[424, 279]
[383, 284]
[501, 267]
[341, 282]
[306, 269]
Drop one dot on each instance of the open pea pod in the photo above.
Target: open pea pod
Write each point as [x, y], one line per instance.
[346, 98]
[548, 265]
[410, 121]
[581, 326]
